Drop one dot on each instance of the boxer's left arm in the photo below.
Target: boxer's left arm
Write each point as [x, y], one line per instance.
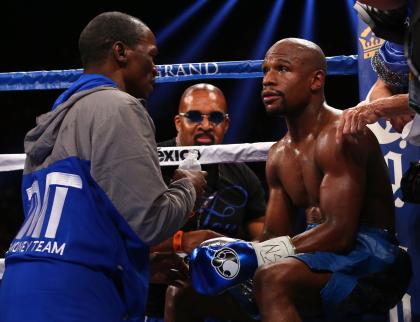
[342, 192]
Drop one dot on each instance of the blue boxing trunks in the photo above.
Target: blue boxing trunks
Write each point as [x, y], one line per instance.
[370, 278]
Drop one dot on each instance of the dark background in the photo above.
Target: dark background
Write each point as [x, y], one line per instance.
[44, 36]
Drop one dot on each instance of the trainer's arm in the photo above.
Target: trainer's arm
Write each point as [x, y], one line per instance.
[189, 241]
[384, 4]
[379, 90]
[354, 120]
[403, 114]
[125, 165]
[342, 192]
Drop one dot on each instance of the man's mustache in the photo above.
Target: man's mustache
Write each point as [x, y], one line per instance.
[273, 91]
[208, 134]
[204, 134]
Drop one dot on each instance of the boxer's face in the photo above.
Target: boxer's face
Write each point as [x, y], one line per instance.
[285, 84]
[210, 107]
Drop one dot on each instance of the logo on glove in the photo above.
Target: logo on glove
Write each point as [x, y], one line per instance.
[226, 262]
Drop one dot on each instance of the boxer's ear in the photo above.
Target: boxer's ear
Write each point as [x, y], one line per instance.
[318, 80]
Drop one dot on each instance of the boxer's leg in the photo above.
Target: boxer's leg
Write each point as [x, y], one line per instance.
[185, 305]
[281, 288]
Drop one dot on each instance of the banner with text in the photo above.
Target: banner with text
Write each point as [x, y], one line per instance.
[398, 154]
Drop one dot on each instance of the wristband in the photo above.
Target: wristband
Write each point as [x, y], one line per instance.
[177, 241]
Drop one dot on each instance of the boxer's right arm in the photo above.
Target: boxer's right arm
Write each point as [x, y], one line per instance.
[212, 274]
[279, 216]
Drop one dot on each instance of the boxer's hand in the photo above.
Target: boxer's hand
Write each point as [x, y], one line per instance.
[215, 268]
[192, 239]
[197, 178]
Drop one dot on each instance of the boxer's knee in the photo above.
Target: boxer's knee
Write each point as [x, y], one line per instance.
[274, 278]
[176, 295]
[173, 291]
[177, 306]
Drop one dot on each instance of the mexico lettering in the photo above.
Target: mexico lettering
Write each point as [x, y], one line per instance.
[174, 155]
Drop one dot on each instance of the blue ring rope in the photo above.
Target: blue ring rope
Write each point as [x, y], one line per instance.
[60, 79]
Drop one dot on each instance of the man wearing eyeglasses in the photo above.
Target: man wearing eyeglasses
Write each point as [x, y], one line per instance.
[202, 117]
[234, 206]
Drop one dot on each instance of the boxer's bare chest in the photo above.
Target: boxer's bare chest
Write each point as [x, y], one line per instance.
[298, 172]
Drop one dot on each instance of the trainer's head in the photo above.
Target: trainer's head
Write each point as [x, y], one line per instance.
[294, 75]
[122, 48]
[202, 118]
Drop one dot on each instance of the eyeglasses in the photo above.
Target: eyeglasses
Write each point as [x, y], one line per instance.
[212, 117]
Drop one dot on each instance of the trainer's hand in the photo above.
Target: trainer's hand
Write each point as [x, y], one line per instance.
[197, 178]
[398, 122]
[192, 239]
[168, 268]
[353, 122]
